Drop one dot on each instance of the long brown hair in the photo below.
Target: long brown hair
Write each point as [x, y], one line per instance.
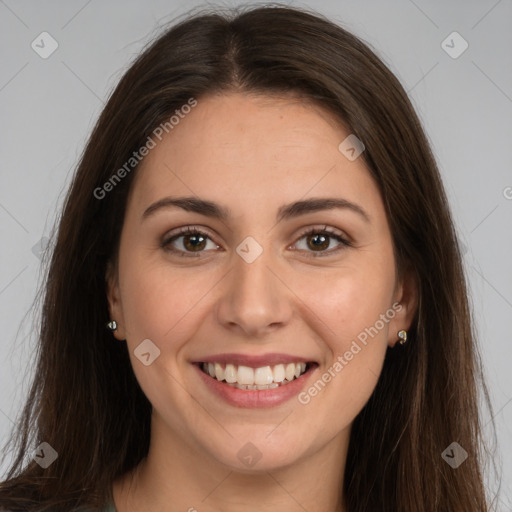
[85, 400]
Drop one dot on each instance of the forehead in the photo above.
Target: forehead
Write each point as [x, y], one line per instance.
[253, 150]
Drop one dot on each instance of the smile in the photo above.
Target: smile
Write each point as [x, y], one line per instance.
[262, 378]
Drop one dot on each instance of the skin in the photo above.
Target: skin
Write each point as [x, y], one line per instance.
[252, 154]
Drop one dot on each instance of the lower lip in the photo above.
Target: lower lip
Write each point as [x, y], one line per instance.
[252, 399]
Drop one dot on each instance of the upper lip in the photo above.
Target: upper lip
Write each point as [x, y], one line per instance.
[254, 361]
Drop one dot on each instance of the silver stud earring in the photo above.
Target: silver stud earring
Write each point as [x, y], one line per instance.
[112, 325]
[403, 337]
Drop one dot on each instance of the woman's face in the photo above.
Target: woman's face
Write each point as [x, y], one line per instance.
[255, 291]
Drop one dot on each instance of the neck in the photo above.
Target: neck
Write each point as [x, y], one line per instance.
[200, 482]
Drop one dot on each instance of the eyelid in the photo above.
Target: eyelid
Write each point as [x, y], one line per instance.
[324, 228]
[189, 228]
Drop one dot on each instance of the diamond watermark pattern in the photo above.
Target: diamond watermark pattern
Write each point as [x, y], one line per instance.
[45, 455]
[39, 248]
[249, 249]
[44, 45]
[147, 352]
[454, 455]
[351, 147]
[454, 45]
[249, 454]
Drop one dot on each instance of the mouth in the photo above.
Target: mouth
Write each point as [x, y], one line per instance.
[250, 379]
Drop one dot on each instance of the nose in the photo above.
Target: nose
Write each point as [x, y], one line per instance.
[254, 299]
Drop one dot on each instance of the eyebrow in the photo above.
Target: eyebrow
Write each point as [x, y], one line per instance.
[285, 212]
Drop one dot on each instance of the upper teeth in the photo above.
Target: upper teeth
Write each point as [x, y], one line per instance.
[258, 376]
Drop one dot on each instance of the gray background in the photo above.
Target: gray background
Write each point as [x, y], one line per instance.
[48, 108]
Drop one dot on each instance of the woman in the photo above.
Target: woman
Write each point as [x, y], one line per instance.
[260, 223]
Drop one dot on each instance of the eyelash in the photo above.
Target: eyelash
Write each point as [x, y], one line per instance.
[191, 230]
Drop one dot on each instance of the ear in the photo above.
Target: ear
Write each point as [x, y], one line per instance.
[406, 302]
[114, 301]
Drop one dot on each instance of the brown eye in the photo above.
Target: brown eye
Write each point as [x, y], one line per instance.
[319, 240]
[193, 241]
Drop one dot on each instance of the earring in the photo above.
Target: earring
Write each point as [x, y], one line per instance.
[112, 325]
[403, 337]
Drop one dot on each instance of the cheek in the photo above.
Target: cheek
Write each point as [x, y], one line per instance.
[160, 301]
[350, 300]
[352, 307]
[161, 305]
[355, 337]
